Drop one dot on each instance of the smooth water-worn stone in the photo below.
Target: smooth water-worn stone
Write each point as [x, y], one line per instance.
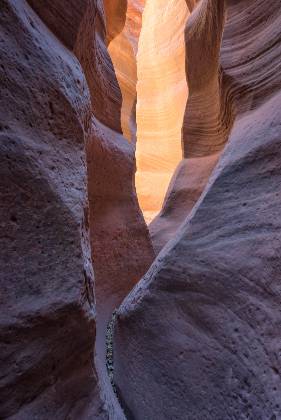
[199, 336]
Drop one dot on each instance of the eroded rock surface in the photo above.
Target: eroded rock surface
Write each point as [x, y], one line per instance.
[186, 186]
[121, 247]
[60, 107]
[47, 281]
[199, 336]
[207, 119]
[123, 48]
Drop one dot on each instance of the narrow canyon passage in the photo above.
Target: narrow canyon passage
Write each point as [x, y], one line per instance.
[161, 100]
[148, 56]
[140, 168]
[153, 60]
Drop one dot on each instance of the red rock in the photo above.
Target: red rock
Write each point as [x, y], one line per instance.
[121, 247]
[161, 98]
[54, 111]
[199, 336]
[47, 282]
[206, 123]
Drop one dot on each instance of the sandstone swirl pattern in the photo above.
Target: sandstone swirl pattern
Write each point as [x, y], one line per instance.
[199, 337]
[123, 50]
[161, 98]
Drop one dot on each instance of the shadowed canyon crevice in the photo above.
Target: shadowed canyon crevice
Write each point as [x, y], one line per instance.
[115, 114]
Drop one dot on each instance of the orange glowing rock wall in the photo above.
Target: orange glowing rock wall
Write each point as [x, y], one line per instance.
[161, 100]
[123, 49]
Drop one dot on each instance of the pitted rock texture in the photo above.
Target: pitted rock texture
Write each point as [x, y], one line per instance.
[47, 282]
[60, 109]
[199, 336]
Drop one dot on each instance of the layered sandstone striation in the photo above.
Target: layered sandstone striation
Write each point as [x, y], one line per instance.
[123, 49]
[162, 93]
[199, 336]
[207, 119]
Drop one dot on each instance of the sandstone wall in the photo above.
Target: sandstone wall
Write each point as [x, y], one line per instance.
[121, 247]
[123, 50]
[207, 119]
[57, 112]
[162, 93]
[47, 281]
[199, 336]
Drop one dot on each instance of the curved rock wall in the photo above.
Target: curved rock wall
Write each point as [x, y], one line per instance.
[123, 49]
[47, 281]
[62, 17]
[217, 93]
[207, 119]
[121, 247]
[162, 94]
[199, 336]
[55, 110]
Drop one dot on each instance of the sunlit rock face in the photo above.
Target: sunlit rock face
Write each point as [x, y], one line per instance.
[161, 98]
[123, 48]
[207, 119]
[199, 337]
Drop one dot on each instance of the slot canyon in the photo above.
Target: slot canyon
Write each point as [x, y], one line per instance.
[140, 240]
